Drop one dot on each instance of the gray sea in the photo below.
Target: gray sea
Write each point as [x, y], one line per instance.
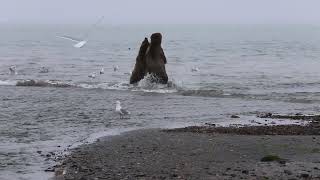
[243, 69]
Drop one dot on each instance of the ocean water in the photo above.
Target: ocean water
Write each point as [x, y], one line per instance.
[243, 69]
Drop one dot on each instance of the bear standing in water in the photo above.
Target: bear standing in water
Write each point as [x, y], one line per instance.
[151, 59]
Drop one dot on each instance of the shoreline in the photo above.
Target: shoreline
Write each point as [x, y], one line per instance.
[198, 152]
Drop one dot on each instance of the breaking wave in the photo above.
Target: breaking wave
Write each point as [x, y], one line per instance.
[148, 86]
[43, 83]
[8, 83]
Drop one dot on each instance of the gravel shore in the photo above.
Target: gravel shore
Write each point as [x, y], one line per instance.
[201, 154]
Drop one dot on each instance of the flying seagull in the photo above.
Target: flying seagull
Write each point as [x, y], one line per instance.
[122, 112]
[81, 42]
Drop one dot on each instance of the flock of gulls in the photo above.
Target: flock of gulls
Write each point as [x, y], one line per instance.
[94, 74]
[122, 112]
[79, 43]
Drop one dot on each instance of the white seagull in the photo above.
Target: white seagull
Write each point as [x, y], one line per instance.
[128, 73]
[194, 69]
[13, 70]
[44, 70]
[81, 42]
[122, 112]
[115, 68]
[102, 71]
[92, 75]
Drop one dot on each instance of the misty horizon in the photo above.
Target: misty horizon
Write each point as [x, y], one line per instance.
[162, 12]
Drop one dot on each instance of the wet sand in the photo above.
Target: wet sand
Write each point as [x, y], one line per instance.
[196, 153]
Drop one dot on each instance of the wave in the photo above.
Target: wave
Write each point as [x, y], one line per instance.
[43, 83]
[8, 83]
[173, 87]
[203, 93]
[144, 85]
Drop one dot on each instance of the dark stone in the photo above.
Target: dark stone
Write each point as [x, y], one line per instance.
[304, 175]
[270, 158]
[39, 152]
[211, 124]
[264, 115]
[245, 172]
[234, 116]
[287, 172]
[282, 161]
[50, 169]
[174, 175]
[140, 175]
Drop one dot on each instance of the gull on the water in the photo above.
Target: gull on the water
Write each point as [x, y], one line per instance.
[92, 75]
[79, 43]
[115, 68]
[122, 112]
[13, 70]
[101, 71]
[128, 73]
[194, 69]
[44, 70]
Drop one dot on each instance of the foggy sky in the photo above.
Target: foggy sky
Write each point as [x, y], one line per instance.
[161, 11]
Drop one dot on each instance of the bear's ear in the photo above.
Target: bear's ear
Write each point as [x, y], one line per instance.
[144, 45]
[145, 41]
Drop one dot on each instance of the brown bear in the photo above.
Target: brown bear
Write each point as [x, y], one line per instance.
[151, 59]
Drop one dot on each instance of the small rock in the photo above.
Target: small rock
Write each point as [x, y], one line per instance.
[140, 175]
[210, 124]
[269, 158]
[245, 172]
[304, 175]
[264, 115]
[228, 169]
[287, 172]
[234, 116]
[39, 152]
[50, 169]
[282, 161]
[174, 175]
[316, 168]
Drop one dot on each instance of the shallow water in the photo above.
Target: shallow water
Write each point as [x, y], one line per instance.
[242, 70]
